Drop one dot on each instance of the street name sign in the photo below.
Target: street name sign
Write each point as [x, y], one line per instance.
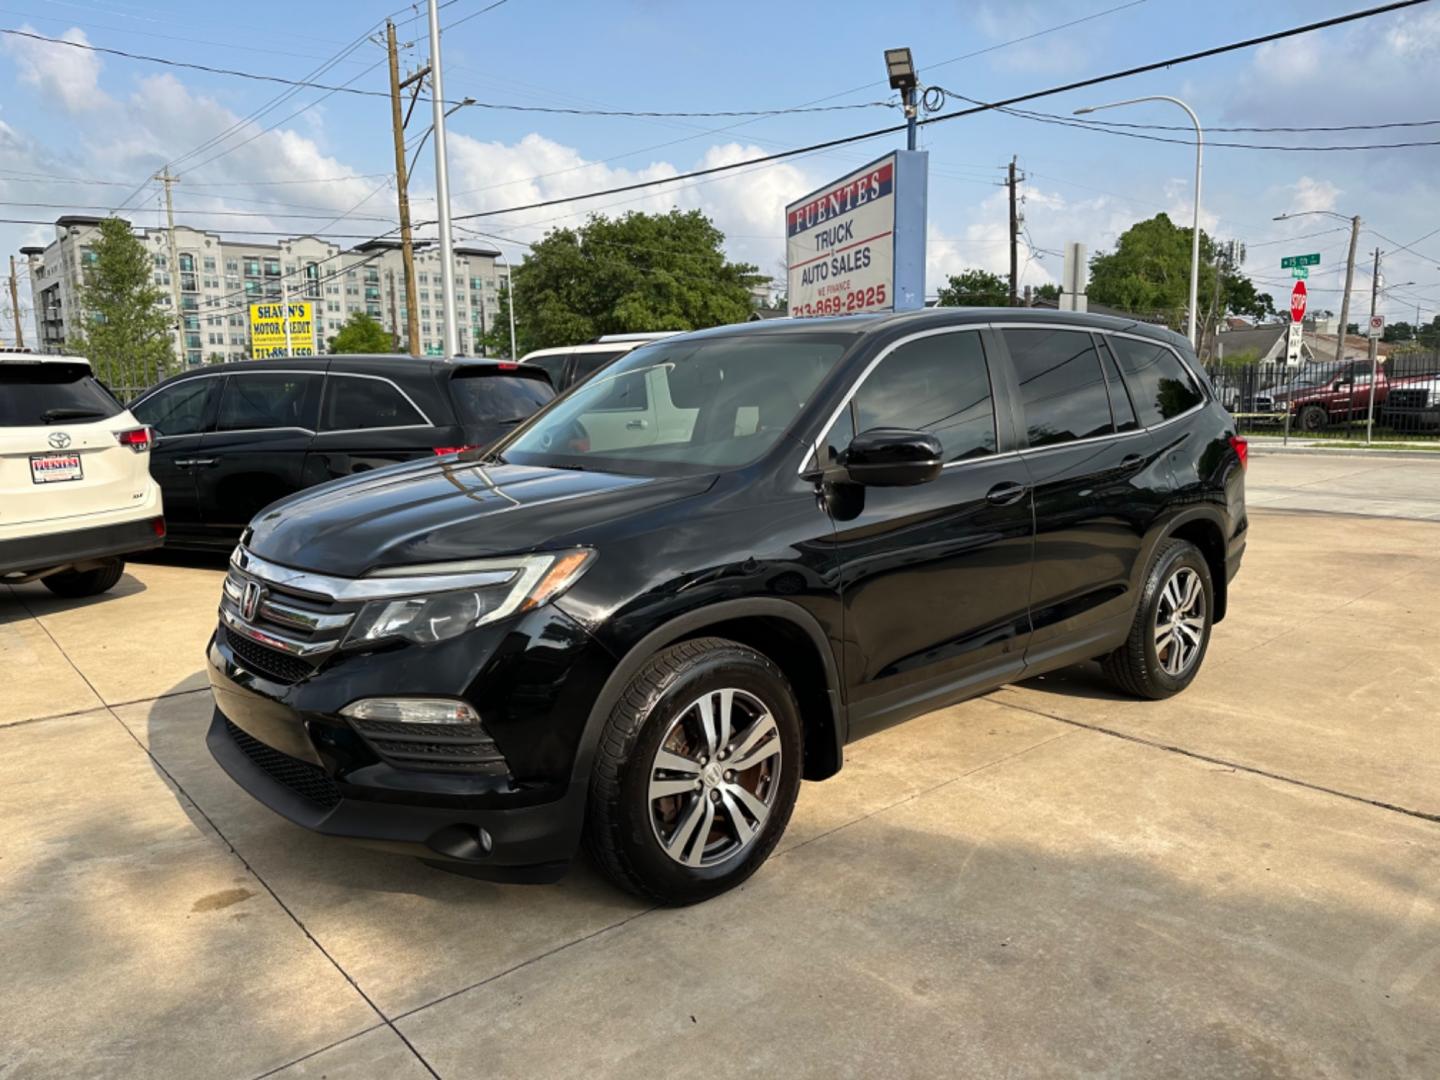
[1300, 273]
[1300, 260]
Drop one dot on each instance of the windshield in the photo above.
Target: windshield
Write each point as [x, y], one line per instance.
[682, 405]
[33, 394]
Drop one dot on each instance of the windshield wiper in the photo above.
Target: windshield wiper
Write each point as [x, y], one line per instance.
[51, 415]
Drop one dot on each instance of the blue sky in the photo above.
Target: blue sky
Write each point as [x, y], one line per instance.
[84, 130]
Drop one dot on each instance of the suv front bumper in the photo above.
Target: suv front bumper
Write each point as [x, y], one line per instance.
[532, 681]
[57, 550]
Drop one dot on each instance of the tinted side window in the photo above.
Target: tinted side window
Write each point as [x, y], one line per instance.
[554, 366]
[1159, 384]
[179, 409]
[1061, 387]
[586, 364]
[627, 392]
[268, 400]
[937, 384]
[1121, 408]
[353, 403]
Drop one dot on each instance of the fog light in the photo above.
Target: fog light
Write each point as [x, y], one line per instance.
[412, 710]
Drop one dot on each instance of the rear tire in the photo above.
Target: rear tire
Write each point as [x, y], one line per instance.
[1171, 632]
[73, 584]
[668, 819]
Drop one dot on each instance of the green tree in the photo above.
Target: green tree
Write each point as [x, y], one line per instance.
[361, 334]
[122, 329]
[975, 288]
[1398, 331]
[1048, 291]
[497, 339]
[624, 275]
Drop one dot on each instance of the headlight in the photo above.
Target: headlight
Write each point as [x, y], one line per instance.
[483, 591]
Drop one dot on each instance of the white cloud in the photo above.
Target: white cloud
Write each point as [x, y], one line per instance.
[68, 75]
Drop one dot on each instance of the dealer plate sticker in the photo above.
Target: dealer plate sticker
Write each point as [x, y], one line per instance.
[52, 468]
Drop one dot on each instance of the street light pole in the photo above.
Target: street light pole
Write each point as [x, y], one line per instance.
[1195, 229]
[1374, 349]
[442, 186]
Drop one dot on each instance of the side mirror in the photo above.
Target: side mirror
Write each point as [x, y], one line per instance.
[1340, 384]
[893, 457]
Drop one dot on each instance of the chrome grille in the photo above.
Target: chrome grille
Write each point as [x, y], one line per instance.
[273, 619]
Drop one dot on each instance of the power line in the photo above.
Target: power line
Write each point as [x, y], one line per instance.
[346, 88]
[214, 213]
[1095, 80]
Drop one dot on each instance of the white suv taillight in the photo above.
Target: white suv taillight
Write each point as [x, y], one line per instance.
[137, 439]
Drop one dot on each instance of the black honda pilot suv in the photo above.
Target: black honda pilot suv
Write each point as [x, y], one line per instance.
[650, 611]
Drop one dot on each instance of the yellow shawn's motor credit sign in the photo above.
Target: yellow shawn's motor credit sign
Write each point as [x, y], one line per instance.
[267, 329]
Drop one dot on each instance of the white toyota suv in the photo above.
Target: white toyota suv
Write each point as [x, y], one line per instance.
[76, 494]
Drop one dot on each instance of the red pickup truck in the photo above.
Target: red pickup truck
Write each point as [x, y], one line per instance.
[1322, 395]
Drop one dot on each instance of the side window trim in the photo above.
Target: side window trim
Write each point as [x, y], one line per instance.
[1201, 385]
[1114, 381]
[215, 428]
[325, 393]
[814, 452]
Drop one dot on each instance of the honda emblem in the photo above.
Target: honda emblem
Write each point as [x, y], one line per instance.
[250, 600]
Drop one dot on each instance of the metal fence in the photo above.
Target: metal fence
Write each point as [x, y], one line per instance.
[1397, 400]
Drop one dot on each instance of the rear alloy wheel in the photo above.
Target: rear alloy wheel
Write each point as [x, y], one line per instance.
[1312, 418]
[73, 584]
[1171, 631]
[696, 772]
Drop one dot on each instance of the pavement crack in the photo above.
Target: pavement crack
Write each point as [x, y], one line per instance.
[1238, 766]
[178, 787]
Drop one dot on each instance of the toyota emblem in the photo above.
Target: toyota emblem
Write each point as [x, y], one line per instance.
[250, 601]
[59, 440]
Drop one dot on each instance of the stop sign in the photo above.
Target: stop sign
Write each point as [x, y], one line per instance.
[1297, 302]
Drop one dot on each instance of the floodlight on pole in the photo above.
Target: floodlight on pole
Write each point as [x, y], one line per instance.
[900, 67]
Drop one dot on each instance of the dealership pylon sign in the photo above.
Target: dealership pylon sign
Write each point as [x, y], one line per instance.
[858, 244]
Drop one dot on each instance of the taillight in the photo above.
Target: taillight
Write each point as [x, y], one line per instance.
[443, 450]
[157, 526]
[137, 439]
[507, 365]
[1242, 450]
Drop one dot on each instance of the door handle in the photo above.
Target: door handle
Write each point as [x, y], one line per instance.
[1006, 494]
[205, 462]
[636, 425]
[1132, 461]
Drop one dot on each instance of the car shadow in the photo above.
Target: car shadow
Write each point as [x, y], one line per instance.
[1080, 681]
[34, 599]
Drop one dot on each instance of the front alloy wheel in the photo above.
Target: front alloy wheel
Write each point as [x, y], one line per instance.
[696, 772]
[715, 777]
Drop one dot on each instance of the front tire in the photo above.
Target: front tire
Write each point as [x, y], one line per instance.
[1313, 418]
[696, 773]
[74, 584]
[1171, 632]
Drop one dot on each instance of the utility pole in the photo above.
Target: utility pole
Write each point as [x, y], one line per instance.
[1345, 300]
[169, 181]
[20, 333]
[394, 310]
[402, 187]
[1374, 349]
[442, 186]
[1014, 238]
[285, 308]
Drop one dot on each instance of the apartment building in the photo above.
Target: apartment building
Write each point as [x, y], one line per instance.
[219, 279]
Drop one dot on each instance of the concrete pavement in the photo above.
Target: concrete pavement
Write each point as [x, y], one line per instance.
[1242, 881]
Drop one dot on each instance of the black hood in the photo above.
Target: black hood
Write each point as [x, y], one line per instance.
[443, 510]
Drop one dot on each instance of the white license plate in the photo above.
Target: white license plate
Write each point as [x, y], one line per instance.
[52, 468]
